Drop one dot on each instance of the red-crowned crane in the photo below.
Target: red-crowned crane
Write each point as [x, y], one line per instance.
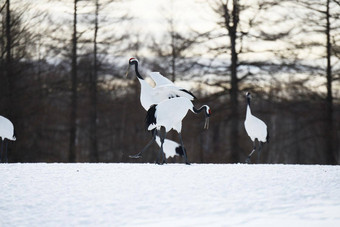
[256, 129]
[169, 114]
[6, 133]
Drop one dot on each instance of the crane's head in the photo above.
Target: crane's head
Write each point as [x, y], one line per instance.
[248, 95]
[132, 61]
[207, 110]
[207, 115]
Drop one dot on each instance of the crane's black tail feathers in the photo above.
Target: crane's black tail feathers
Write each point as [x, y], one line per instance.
[153, 132]
[179, 151]
[268, 137]
[150, 116]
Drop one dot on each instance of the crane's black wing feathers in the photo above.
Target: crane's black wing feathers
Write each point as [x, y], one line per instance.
[186, 91]
[179, 151]
[150, 116]
[267, 138]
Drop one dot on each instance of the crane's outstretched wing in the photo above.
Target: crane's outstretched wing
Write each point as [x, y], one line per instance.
[159, 79]
[166, 89]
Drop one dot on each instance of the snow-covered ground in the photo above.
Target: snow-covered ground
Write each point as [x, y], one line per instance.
[169, 195]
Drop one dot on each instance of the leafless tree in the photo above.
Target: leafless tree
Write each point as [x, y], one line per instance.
[240, 29]
[74, 94]
[174, 53]
[320, 18]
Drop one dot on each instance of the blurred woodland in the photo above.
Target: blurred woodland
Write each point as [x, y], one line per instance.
[62, 80]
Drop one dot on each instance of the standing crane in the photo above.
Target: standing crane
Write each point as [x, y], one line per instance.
[256, 129]
[6, 133]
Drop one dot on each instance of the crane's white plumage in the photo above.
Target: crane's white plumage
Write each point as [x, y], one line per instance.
[166, 88]
[6, 129]
[256, 129]
[170, 147]
[167, 117]
[170, 113]
[159, 79]
[146, 94]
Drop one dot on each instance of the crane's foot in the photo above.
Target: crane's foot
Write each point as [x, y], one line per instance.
[160, 163]
[248, 160]
[135, 156]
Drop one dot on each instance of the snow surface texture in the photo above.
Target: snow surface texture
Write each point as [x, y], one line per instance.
[169, 195]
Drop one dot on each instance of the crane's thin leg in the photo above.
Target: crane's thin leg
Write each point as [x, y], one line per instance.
[161, 151]
[163, 154]
[259, 152]
[157, 159]
[2, 143]
[254, 148]
[147, 146]
[6, 145]
[183, 149]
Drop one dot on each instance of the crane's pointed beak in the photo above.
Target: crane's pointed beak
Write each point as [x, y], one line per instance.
[206, 124]
[127, 71]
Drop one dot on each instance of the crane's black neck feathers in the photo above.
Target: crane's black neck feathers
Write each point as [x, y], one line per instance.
[150, 116]
[268, 137]
[137, 72]
[199, 110]
[248, 100]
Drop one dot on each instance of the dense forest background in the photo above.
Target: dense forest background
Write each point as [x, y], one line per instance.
[62, 79]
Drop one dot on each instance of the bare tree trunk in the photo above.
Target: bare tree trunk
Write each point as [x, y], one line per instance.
[94, 157]
[9, 61]
[234, 134]
[231, 22]
[330, 156]
[73, 119]
[8, 33]
[173, 51]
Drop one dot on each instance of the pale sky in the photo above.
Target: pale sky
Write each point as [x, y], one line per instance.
[150, 14]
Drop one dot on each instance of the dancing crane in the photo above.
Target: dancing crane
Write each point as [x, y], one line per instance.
[169, 114]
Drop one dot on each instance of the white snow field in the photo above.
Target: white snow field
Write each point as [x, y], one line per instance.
[169, 195]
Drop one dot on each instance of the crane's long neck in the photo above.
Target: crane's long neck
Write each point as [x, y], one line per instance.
[137, 72]
[198, 110]
[248, 107]
[207, 115]
[146, 90]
